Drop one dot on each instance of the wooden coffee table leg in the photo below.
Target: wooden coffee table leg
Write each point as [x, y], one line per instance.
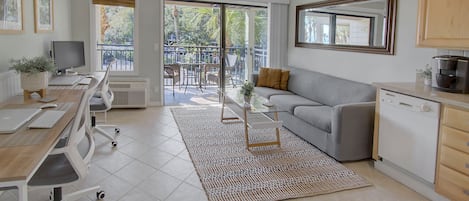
[277, 130]
[222, 108]
[246, 131]
[223, 112]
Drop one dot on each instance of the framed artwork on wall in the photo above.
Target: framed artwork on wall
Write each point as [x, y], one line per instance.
[43, 16]
[11, 16]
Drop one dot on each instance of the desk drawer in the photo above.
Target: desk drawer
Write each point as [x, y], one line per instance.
[455, 159]
[452, 184]
[456, 118]
[455, 139]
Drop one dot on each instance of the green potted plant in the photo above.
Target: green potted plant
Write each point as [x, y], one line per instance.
[426, 74]
[34, 72]
[246, 90]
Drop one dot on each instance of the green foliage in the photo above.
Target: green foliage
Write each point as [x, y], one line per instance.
[426, 73]
[261, 28]
[34, 65]
[201, 26]
[121, 21]
[247, 88]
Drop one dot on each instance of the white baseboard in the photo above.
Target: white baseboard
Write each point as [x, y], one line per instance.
[415, 184]
[155, 104]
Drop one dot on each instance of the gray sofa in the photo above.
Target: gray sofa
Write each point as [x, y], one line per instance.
[333, 114]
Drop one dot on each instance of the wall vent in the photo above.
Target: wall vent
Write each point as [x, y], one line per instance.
[132, 93]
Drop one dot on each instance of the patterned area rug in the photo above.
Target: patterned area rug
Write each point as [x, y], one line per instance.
[228, 171]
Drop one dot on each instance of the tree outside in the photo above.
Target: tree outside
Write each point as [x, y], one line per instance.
[200, 26]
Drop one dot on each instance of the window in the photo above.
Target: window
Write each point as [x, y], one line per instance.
[114, 36]
[332, 28]
[351, 30]
[317, 28]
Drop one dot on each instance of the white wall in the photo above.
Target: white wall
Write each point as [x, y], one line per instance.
[81, 28]
[148, 33]
[30, 44]
[363, 67]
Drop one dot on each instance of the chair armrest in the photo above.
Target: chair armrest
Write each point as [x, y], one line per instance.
[352, 130]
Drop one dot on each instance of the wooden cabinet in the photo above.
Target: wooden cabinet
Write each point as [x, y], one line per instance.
[443, 24]
[452, 176]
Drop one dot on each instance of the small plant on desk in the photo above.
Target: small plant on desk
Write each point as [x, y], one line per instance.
[34, 73]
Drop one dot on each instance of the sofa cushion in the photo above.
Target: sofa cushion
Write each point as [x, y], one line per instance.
[327, 89]
[289, 102]
[267, 92]
[262, 78]
[273, 80]
[318, 116]
[284, 79]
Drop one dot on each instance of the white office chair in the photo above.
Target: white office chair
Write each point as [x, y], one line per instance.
[101, 101]
[68, 162]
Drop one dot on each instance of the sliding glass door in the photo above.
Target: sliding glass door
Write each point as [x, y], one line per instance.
[226, 43]
[244, 42]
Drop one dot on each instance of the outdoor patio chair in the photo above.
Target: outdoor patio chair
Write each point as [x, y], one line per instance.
[172, 71]
[212, 72]
[231, 67]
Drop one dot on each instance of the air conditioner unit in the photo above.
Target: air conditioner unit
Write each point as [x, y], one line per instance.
[129, 93]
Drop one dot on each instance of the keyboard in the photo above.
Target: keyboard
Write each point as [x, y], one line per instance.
[47, 119]
[66, 80]
[85, 81]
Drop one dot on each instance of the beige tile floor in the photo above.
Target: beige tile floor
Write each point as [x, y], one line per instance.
[151, 163]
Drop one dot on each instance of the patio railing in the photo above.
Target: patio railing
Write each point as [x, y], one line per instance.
[121, 57]
[118, 57]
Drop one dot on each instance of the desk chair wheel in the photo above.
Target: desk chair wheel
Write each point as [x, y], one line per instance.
[117, 131]
[100, 195]
[114, 144]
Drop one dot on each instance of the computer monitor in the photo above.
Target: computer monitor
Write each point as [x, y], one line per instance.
[68, 54]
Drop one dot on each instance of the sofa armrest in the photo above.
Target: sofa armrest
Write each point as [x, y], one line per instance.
[352, 130]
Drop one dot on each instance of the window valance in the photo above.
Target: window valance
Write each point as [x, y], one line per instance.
[126, 3]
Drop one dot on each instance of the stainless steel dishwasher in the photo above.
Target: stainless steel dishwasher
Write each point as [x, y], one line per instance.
[408, 133]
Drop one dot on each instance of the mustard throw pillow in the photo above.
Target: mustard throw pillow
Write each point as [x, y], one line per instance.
[273, 80]
[262, 78]
[284, 79]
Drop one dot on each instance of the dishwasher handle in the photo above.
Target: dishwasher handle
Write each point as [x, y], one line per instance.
[420, 108]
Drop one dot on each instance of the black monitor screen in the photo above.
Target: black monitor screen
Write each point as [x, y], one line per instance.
[68, 54]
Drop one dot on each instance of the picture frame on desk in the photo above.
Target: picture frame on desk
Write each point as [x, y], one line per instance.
[43, 16]
[11, 16]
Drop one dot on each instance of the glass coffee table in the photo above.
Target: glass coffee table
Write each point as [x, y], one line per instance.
[252, 115]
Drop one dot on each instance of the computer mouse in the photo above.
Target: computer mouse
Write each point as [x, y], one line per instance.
[48, 105]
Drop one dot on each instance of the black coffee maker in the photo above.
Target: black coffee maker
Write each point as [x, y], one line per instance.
[451, 73]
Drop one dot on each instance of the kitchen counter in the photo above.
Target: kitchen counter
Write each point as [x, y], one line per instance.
[426, 92]
[451, 178]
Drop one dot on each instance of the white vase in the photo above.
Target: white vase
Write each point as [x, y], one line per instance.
[427, 81]
[35, 81]
[247, 99]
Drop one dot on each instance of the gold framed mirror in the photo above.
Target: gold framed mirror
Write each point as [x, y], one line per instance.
[348, 25]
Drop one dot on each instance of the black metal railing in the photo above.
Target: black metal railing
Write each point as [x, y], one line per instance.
[121, 57]
[118, 57]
